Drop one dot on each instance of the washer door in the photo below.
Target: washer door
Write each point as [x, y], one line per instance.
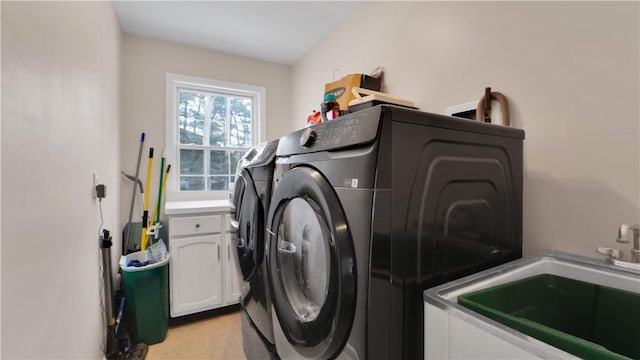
[250, 231]
[312, 267]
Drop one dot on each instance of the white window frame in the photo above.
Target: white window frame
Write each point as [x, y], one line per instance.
[175, 82]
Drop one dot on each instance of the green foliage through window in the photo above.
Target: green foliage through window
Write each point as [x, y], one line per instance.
[215, 131]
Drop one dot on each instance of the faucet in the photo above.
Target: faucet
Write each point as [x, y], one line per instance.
[624, 233]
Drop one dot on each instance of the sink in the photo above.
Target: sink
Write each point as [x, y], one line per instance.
[584, 319]
[626, 264]
[551, 305]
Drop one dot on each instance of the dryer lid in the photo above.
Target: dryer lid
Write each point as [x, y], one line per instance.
[265, 153]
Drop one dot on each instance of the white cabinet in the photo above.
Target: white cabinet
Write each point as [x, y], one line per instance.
[232, 280]
[202, 274]
[195, 274]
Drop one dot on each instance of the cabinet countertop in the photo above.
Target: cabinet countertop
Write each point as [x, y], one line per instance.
[195, 207]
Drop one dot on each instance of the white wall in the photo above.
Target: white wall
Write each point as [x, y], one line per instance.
[569, 69]
[60, 124]
[145, 64]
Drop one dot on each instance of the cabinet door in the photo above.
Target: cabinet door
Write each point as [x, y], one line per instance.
[195, 274]
[232, 279]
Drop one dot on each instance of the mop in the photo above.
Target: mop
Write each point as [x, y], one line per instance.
[133, 197]
[156, 213]
[145, 212]
[154, 230]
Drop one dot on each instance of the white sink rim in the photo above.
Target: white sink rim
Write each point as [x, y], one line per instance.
[554, 262]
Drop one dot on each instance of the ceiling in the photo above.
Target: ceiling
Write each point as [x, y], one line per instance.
[274, 31]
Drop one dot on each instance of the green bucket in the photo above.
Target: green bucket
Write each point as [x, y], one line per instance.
[146, 291]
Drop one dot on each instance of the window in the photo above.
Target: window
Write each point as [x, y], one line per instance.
[210, 125]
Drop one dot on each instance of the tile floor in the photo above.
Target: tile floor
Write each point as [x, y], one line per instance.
[219, 337]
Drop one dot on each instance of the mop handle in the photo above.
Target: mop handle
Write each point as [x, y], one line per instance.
[156, 215]
[133, 196]
[164, 186]
[145, 213]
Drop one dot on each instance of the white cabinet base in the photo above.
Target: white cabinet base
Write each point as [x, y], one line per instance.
[202, 271]
[195, 274]
[232, 280]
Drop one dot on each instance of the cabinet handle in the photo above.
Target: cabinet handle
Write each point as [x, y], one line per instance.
[228, 252]
[197, 226]
[218, 252]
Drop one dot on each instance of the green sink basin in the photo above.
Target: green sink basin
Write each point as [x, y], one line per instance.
[587, 320]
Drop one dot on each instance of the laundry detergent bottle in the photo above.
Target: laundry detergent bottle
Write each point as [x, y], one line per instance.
[330, 108]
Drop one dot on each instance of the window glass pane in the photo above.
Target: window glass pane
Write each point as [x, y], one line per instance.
[235, 157]
[240, 122]
[191, 162]
[218, 182]
[219, 162]
[191, 183]
[189, 133]
[218, 117]
[215, 129]
[192, 109]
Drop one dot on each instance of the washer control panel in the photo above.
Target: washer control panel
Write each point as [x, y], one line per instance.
[338, 132]
[352, 129]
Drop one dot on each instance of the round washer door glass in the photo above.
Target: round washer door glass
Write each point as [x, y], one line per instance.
[311, 265]
[303, 257]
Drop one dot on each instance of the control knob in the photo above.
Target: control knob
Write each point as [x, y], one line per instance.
[308, 137]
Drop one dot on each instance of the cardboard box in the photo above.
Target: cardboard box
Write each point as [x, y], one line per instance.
[342, 88]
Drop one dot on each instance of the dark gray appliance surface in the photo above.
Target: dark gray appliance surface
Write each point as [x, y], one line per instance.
[262, 164]
[251, 199]
[447, 202]
[344, 305]
[364, 126]
[255, 346]
[454, 208]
